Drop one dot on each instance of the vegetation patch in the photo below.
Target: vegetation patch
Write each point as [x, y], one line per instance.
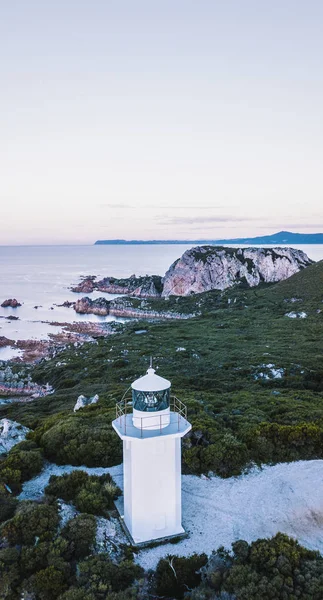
[90, 494]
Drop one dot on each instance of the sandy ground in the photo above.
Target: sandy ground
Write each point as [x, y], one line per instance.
[287, 497]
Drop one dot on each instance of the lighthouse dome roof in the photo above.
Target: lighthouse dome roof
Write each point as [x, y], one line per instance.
[151, 382]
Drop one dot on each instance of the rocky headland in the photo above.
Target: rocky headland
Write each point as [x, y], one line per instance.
[202, 269]
[206, 268]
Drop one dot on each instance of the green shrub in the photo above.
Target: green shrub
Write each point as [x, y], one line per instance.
[270, 569]
[99, 575]
[23, 462]
[226, 457]
[80, 533]
[8, 505]
[9, 572]
[83, 441]
[75, 593]
[31, 522]
[48, 583]
[91, 494]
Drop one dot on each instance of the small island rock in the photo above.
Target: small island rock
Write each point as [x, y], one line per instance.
[12, 302]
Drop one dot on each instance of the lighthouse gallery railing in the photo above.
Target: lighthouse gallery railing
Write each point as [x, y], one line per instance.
[177, 409]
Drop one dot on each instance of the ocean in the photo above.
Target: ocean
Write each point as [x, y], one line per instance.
[42, 275]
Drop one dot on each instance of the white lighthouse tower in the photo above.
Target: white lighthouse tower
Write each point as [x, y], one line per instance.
[151, 427]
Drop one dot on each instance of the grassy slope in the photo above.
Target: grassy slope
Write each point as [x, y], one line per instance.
[238, 331]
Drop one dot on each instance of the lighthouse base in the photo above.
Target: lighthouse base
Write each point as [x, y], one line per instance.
[152, 488]
[148, 543]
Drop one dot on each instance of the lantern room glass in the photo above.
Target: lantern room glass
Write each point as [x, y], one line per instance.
[150, 401]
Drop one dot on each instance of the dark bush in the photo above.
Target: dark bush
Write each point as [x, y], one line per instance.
[80, 533]
[99, 575]
[268, 569]
[8, 505]
[176, 575]
[83, 441]
[92, 494]
[48, 583]
[31, 522]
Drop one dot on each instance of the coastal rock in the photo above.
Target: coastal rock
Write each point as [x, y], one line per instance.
[66, 304]
[11, 433]
[130, 308]
[207, 268]
[86, 286]
[149, 286]
[12, 302]
[83, 401]
[4, 341]
[86, 306]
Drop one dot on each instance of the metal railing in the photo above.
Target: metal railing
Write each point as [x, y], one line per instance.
[151, 422]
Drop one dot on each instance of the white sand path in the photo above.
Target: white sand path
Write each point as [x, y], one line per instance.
[287, 497]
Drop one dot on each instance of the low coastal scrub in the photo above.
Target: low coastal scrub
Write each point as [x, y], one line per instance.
[175, 576]
[87, 439]
[24, 461]
[91, 494]
[39, 561]
[277, 568]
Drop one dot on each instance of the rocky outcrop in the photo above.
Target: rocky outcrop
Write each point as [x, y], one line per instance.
[11, 433]
[86, 306]
[86, 286]
[84, 401]
[12, 302]
[207, 268]
[66, 304]
[148, 286]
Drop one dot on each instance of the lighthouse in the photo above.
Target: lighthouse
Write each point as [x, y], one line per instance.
[151, 424]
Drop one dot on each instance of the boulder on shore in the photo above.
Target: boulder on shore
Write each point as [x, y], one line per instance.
[12, 302]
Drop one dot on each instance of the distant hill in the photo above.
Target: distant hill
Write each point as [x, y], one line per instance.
[150, 242]
[282, 237]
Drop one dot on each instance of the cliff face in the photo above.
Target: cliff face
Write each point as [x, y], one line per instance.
[207, 268]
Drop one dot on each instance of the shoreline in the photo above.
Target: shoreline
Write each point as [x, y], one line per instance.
[32, 351]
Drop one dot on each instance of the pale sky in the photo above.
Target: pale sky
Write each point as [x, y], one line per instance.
[162, 119]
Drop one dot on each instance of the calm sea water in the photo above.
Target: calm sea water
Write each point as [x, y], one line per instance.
[41, 276]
